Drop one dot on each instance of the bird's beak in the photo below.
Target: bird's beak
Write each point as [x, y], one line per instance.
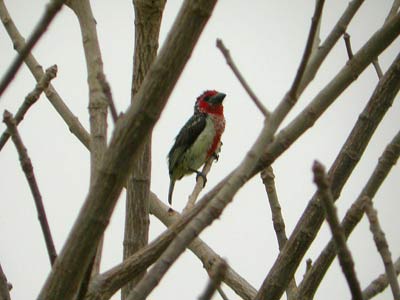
[217, 99]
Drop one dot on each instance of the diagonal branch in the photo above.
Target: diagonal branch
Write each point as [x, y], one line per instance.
[27, 167]
[30, 99]
[383, 248]
[380, 283]
[344, 254]
[215, 280]
[128, 136]
[51, 10]
[314, 276]
[226, 53]
[36, 69]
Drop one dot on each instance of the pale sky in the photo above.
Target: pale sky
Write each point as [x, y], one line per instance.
[266, 40]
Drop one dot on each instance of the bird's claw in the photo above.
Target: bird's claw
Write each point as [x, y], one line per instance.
[202, 175]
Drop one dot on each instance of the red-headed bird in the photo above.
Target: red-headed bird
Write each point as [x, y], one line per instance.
[198, 139]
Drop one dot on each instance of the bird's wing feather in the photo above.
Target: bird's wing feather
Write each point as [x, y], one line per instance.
[186, 137]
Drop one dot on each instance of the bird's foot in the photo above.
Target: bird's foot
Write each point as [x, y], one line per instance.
[202, 175]
[216, 156]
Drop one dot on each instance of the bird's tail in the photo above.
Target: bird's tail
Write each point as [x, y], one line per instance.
[171, 189]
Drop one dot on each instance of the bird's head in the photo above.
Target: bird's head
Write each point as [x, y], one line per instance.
[210, 102]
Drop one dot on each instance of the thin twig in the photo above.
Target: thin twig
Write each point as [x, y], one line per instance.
[225, 52]
[30, 99]
[380, 283]
[214, 283]
[268, 178]
[27, 167]
[52, 8]
[200, 181]
[347, 42]
[36, 69]
[377, 67]
[107, 92]
[4, 286]
[293, 92]
[345, 258]
[383, 248]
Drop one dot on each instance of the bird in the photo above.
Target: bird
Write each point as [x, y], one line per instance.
[198, 139]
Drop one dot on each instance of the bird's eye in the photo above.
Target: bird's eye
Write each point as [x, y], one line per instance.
[206, 98]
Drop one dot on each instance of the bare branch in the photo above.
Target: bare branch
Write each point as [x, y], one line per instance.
[129, 134]
[377, 67]
[27, 167]
[387, 160]
[200, 183]
[208, 257]
[225, 52]
[105, 86]
[19, 43]
[344, 255]
[383, 248]
[216, 277]
[4, 288]
[52, 8]
[380, 283]
[319, 56]
[268, 178]
[30, 99]
[293, 92]
[393, 10]
[347, 42]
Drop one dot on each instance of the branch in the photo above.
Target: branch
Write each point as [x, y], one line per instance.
[52, 8]
[294, 90]
[19, 43]
[147, 22]
[268, 178]
[387, 160]
[199, 184]
[4, 288]
[225, 52]
[344, 255]
[375, 62]
[30, 99]
[27, 167]
[290, 257]
[319, 56]
[379, 284]
[208, 257]
[216, 277]
[383, 248]
[129, 134]
[105, 86]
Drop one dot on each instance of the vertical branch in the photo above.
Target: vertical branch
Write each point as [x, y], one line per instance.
[52, 9]
[268, 178]
[27, 167]
[344, 255]
[147, 27]
[30, 99]
[97, 109]
[383, 248]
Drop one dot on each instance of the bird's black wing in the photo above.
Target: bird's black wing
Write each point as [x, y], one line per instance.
[186, 137]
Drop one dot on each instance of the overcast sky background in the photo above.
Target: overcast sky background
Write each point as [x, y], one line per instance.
[266, 39]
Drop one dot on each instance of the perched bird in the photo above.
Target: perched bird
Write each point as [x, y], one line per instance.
[198, 139]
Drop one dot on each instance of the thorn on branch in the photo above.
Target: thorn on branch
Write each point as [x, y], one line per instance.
[347, 42]
[27, 167]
